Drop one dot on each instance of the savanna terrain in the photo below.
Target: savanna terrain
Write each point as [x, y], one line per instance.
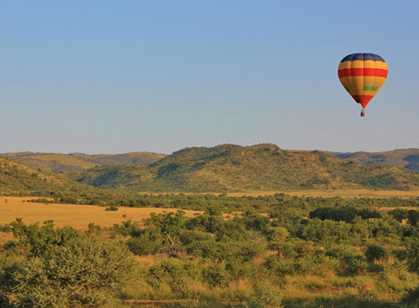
[227, 226]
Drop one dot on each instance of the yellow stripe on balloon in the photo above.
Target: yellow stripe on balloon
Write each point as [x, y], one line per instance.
[363, 64]
[376, 79]
[362, 85]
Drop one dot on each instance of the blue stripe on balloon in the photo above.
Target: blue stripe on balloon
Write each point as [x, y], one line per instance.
[362, 56]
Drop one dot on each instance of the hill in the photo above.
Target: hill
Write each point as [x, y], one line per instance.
[77, 162]
[258, 167]
[16, 178]
[408, 158]
[131, 159]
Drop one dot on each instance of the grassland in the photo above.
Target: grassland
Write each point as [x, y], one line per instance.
[279, 252]
[76, 216]
[79, 216]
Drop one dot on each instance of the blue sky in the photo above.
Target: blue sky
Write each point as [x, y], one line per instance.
[117, 76]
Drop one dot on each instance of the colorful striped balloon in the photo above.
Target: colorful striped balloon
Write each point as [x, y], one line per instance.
[362, 75]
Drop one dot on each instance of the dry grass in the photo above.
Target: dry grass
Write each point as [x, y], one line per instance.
[150, 260]
[311, 287]
[5, 237]
[77, 216]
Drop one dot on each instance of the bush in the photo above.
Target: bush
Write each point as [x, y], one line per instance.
[171, 272]
[413, 257]
[355, 265]
[399, 214]
[112, 208]
[375, 268]
[265, 296]
[70, 271]
[325, 231]
[216, 276]
[413, 217]
[375, 253]
[279, 267]
[346, 214]
[144, 246]
[412, 299]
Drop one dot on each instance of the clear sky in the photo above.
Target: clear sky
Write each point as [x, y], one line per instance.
[115, 76]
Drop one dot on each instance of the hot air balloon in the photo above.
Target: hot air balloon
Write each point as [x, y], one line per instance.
[362, 75]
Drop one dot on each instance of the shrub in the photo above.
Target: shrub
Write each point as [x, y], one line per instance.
[398, 214]
[216, 276]
[413, 217]
[171, 272]
[143, 246]
[412, 298]
[375, 268]
[71, 270]
[265, 297]
[375, 253]
[413, 257]
[327, 231]
[355, 265]
[346, 214]
[112, 208]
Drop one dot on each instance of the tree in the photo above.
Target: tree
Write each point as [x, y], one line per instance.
[413, 217]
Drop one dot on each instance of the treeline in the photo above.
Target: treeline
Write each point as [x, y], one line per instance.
[224, 202]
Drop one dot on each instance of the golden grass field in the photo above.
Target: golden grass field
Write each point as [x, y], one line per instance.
[76, 216]
[79, 216]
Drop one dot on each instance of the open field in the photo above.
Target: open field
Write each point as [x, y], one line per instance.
[77, 216]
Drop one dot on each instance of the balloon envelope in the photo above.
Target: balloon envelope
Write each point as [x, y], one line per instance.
[362, 75]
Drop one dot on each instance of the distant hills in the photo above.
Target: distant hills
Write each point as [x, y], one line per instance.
[16, 178]
[259, 167]
[78, 162]
[221, 168]
[408, 158]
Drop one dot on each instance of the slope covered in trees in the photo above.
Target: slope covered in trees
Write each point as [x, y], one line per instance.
[408, 158]
[77, 162]
[259, 167]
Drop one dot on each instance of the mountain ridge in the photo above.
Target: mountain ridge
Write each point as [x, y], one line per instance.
[408, 158]
[231, 167]
[77, 162]
[221, 168]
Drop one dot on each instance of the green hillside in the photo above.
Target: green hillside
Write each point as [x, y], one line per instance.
[77, 162]
[408, 158]
[16, 178]
[132, 158]
[259, 167]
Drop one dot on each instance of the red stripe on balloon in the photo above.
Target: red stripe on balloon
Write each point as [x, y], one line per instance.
[377, 72]
[362, 99]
